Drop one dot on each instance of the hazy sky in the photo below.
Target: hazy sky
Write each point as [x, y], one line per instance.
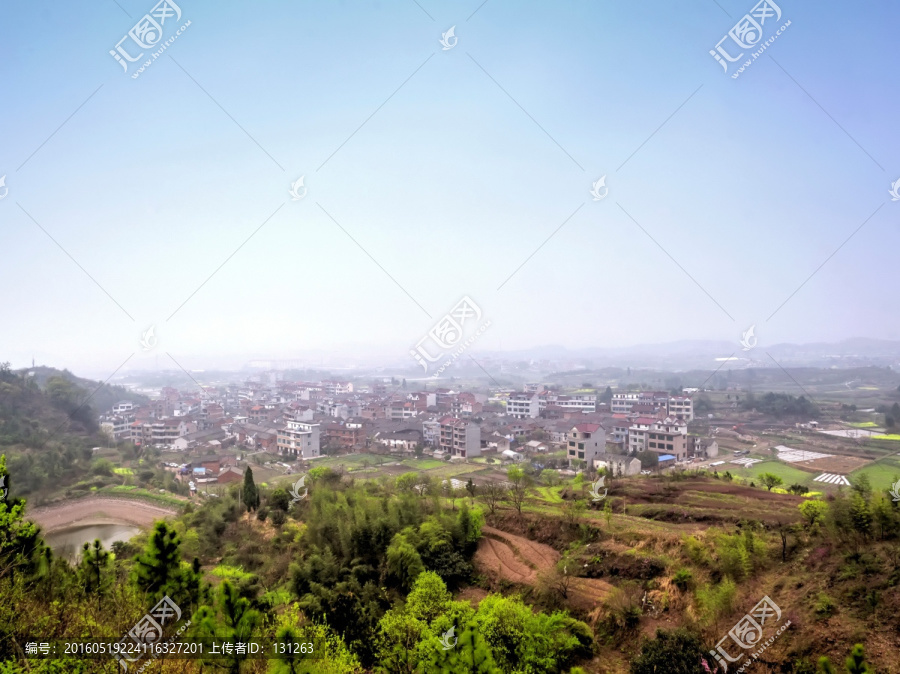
[443, 171]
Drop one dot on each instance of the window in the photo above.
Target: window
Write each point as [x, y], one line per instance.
[571, 443]
[580, 445]
[581, 455]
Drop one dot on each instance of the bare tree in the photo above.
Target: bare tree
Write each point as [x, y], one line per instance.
[491, 493]
[518, 486]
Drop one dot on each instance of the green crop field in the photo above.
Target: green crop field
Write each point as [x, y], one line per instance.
[422, 464]
[786, 472]
[882, 473]
[550, 494]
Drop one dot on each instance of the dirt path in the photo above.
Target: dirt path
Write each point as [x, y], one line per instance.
[97, 510]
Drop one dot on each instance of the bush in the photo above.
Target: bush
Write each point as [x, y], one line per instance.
[262, 514]
[102, 467]
[825, 606]
[624, 606]
[683, 579]
[676, 652]
[279, 517]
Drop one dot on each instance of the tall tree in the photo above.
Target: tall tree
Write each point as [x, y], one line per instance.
[517, 490]
[93, 564]
[157, 570]
[491, 493]
[229, 619]
[250, 492]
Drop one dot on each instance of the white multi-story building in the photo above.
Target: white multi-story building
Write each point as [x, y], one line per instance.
[300, 439]
[586, 402]
[681, 407]
[117, 427]
[431, 433]
[622, 402]
[523, 406]
[337, 388]
[637, 434]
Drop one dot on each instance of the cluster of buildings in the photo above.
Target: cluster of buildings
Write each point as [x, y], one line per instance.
[304, 420]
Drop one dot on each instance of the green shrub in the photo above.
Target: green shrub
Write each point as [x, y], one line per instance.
[696, 551]
[825, 606]
[716, 600]
[683, 579]
[279, 517]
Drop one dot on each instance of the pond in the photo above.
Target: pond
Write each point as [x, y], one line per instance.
[67, 542]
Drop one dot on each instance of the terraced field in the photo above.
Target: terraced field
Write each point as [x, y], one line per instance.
[519, 560]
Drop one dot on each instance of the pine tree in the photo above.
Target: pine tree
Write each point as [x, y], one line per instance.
[157, 571]
[94, 561]
[230, 619]
[250, 493]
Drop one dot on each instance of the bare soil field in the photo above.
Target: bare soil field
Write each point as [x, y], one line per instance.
[98, 510]
[520, 560]
[834, 464]
[707, 501]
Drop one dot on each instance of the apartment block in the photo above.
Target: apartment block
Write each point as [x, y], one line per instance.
[523, 406]
[586, 442]
[460, 437]
[668, 437]
[300, 439]
[681, 407]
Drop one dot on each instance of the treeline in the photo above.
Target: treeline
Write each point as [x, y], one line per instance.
[781, 405]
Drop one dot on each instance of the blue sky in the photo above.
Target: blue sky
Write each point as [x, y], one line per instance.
[746, 185]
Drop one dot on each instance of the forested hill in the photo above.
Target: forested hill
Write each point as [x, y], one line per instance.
[101, 399]
[46, 433]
